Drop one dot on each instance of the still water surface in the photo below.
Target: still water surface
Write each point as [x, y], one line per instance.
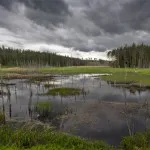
[97, 114]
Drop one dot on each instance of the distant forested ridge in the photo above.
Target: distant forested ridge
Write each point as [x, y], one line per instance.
[134, 56]
[18, 57]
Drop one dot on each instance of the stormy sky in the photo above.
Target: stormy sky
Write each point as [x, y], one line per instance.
[79, 28]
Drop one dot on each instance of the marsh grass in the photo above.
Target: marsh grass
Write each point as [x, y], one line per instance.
[50, 85]
[64, 92]
[40, 78]
[131, 87]
[44, 109]
[3, 93]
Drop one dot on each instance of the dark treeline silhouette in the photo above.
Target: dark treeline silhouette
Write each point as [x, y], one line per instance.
[134, 56]
[18, 57]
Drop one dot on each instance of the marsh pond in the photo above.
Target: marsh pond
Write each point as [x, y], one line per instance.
[84, 105]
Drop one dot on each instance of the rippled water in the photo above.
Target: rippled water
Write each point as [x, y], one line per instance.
[98, 114]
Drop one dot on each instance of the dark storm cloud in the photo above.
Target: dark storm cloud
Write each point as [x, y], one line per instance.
[136, 15]
[105, 15]
[117, 17]
[47, 11]
[6, 3]
[50, 6]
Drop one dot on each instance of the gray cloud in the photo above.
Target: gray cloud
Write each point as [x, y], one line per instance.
[43, 12]
[84, 25]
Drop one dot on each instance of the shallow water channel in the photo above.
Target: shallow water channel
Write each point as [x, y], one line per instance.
[102, 112]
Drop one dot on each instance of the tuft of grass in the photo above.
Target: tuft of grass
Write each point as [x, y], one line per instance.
[64, 92]
[2, 118]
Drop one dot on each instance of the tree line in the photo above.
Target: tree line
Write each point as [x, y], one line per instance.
[19, 57]
[134, 56]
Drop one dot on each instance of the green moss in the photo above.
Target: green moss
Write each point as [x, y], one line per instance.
[64, 92]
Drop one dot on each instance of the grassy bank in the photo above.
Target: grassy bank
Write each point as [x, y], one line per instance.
[72, 70]
[64, 70]
[41, 138]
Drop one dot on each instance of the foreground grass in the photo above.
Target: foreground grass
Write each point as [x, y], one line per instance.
[41, 138]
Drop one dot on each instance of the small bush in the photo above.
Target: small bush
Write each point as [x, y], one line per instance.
[128, 143]
[147, 134]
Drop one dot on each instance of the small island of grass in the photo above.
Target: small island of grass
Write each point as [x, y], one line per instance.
[64, 92]
[128, 78]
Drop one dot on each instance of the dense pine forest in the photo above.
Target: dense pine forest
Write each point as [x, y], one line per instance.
[25, 58]
[134, 56]
[18, 57]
